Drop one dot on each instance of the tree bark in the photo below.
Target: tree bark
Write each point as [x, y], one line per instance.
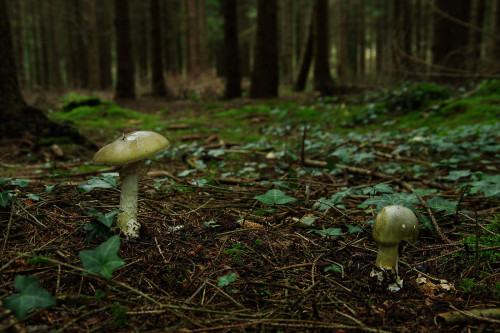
[265, 73]
[449, 47]
[158, 82]
[192, 45]
[125, 82]
[232, 58]
[306, 55]
[286, 41]
[93, 46]
[323, 81]
[171, 24]
[105, 28]
[16, 117]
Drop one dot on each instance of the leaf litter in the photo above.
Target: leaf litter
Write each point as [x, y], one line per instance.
[237, 238]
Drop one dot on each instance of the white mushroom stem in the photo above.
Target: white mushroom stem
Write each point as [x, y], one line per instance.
[387, 257]
[127, 220]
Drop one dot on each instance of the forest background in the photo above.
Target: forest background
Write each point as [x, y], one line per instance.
[180, 48]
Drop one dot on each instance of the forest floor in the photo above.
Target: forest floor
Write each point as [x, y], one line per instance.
[217, 252]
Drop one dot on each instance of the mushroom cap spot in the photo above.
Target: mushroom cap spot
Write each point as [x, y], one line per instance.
[395, 223]
[130, 148]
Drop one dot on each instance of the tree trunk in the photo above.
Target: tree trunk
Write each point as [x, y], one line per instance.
[245, 29]
[494, 54]
[342, 66]
[125, 83]
[192, 45]
[203, 39]
[265, 73]
[55, 58]
[306, 55]
[323, 81]
[105, 28]
[286, 41]
[158, 82]
[20, 44]
[475, 36]
[16, 117]
[449, 47]
[93, 46]
[402, 38]
[171, 24]
[232, 59]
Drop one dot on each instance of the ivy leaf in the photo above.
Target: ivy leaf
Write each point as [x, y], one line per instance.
[274, 197]
[106, 219]
[95, 228]
[333, 267]
[98, 182]
[438, 204]
[403, 199]
[4, 181]
[353, 229]
[49, 188]
[226, 280]
[329, 231]
[103, 258]
[23, 183]
[455, 175]
[32, 295]
[4, 198]
[34, 197]
[379, 188]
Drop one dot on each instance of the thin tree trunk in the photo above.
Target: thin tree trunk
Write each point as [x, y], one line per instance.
[265, 73]
[93, 46]
[233, 76]
[323, 81]
[306, 55]
[192, 45]
[20, 44]
[286, 41]
[55, 67]
[171, 20]
[475, 36]
[245, 29]
[125, 83]
[158, 82]
[342, 47]
[105, 28]
[203, 39]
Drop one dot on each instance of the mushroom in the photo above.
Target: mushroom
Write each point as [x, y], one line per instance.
[392, 225]
[130, 151]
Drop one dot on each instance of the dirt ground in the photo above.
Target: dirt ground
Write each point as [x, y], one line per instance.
[193, 235]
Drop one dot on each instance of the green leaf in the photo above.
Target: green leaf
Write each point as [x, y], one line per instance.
[95, 228]
[274, 197]
[379, 188]
[438, 204]
[23, 183]
[98, 182]
[106, 219]
[34, 197]
[455, 175]
[226, 280]
[353, 229]
[49, 188]
[329, 231]
[32, 295]
[4, 181]
[424, 192]
[4, 198]
[403, 199]
[103, 258]
[334, 267]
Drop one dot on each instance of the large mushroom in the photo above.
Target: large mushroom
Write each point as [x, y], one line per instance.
[393, 224]
[130, 151]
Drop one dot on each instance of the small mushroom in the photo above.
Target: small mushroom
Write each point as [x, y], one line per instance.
[130, 151]
[393, 224]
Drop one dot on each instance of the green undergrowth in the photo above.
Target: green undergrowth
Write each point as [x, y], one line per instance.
[94, 115]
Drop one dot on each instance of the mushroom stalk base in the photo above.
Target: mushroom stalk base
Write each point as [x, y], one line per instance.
[127, 220]
[387, 260]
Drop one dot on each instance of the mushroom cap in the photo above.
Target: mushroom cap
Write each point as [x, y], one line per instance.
[130, 148]
[395, 223]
